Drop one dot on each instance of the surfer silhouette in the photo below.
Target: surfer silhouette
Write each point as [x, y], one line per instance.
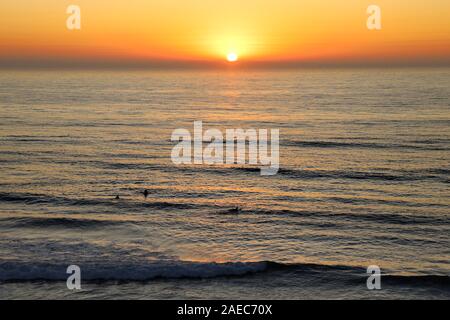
[235, 210]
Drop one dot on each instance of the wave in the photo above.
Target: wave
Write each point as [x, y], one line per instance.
[427, 145]
[419, 280]
[389, 218]
[46, 199]
[41, 222]
[430, 174]
[402, 219]
[148, 271]
[440, 175]
[16, 272]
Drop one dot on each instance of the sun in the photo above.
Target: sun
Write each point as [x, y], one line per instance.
[232, 57]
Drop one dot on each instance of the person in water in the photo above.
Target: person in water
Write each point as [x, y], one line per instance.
[235, 210]
[117, 197]
[145, 193]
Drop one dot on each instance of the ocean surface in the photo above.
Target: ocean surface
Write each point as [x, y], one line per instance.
[364, 180]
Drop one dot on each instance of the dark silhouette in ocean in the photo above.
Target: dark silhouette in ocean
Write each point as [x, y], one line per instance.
[117, 197]
[145, 193]
[235, 210]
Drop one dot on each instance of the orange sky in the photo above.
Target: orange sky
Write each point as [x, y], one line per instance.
[317, 31]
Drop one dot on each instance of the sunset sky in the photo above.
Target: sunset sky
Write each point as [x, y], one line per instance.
[258, 31]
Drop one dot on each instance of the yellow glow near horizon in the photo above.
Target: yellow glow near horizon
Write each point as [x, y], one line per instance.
[199, 30]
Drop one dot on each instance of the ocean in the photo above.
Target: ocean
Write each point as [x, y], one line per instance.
[363, 180]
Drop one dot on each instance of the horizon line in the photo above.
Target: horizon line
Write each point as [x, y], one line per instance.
[36, 64]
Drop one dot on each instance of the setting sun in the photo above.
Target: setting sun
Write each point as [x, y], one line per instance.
[254, 32]
[232, 57]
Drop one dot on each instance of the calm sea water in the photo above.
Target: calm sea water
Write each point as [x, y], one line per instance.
[364, 179]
